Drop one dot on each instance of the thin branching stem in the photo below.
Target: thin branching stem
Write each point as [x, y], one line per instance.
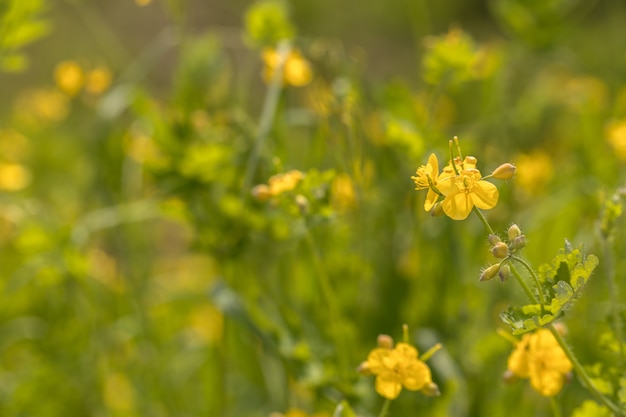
[385, 410]
[534, 276]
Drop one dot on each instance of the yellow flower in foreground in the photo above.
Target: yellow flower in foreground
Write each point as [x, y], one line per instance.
[397, 367]
[539, 357]
[464, 191]
[69, 77]
[426, 177]
[296, 69]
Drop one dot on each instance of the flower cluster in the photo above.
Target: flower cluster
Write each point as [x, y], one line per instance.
[397, 367]
[296, 69]
[539, 357]
[460, 185]
[277, 185]
[503, 251]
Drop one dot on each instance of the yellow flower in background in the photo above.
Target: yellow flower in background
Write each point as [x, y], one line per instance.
[69, 77]
[395, 368]
[118, 393]
[13, 177]
[539, 357]
[97, 80]
[343, 195]
[47, 105]
[143, 2]
[464, 191]
[534, 170]
[296, 412]
[296, 69]
[616, 136]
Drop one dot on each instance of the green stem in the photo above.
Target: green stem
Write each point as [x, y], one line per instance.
[556, 410]
[582, 374]
[331, 302]
[385, 410]
[482, 218]
[523, 284]
[609, 267]
[267, 114]
[534, 276]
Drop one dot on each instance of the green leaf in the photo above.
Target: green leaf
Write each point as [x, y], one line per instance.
[591, 408]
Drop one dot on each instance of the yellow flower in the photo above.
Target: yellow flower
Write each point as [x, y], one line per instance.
[284, 182]
[13, 177]
[69, 77]
[464, 191]
[616, 136]
[426, 177]
[296, 69]
[396, 368]
[98, 80]
[539, 357]
[143, 2]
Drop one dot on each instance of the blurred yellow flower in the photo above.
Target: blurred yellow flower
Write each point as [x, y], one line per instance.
[539, 357]
[296, 69]
[143, 2]
[98, 80]
[206, 324]
[296, 412]
[395, 368]
[616, 136]
[13, 177]
[533, 171]
[343, 196]
[118, 392]
[278, 184]
[464, 191]
[47, 105]
[69, 77]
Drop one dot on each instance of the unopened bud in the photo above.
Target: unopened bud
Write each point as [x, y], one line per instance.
[261, 192]
[490, 272]
[504, 172]
[508, 377]
[513, 232]
[493, 239]
[504, 273]
[500, 250]
[364, 369]
[519, 242]
[561, 328]
[431, 390]
[384, 341]
[437, 210]
[302, 203]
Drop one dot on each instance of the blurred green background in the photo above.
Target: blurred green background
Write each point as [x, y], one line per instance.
[141, 276]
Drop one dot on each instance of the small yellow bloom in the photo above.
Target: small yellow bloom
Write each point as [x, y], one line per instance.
[13, 177]
[284, 182]
[143, 2]
[98, 80]
[426, 177]
[69, 77]
[616, 136]
[539, 357]
[296, 69]
[396, 368]
[464, 191]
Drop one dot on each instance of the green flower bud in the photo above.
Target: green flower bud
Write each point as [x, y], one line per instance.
[519, 242]
[504, 273]
[437, 210]
[513, 232]
[384, 341]
[490, 272]
[504, 172]
[431, 390]
[500, 250]
[493, 239]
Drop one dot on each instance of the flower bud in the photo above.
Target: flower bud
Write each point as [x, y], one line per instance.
[508, 377]
[504, 172]
[561, 328]
[490, 272]
[519, 242]
[513, 232]
[500, 250]
[302, 203]
[493, 239]
[431, 390]
[504, 273]
[384, 341]
[437, 210]
[364, 369]
[261, 192]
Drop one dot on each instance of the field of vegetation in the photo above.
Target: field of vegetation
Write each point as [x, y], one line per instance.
[312, 208]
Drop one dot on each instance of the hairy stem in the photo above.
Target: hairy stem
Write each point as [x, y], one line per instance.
[534, 276]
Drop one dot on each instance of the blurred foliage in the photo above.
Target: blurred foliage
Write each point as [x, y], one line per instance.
[184, 232]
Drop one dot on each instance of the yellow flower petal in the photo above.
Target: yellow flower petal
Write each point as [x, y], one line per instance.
[457, 206]
[416, 376]
[388, 386]
[484, 195]
[547, 382]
